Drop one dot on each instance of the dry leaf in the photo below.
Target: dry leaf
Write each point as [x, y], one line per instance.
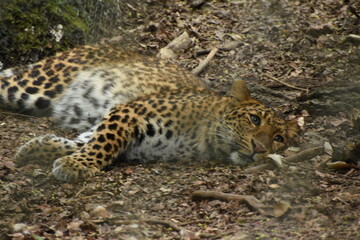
[274, 186]
[281, 208]
[328, 148]
[187, 235]
[339, 165]
[277, 159]
[75, 225]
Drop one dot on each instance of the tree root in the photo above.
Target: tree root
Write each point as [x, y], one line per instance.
[249, 200]
[301, 156]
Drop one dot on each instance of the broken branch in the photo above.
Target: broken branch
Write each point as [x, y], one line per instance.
[301, 156]
[177, 45]
[305, 154]
[205, 62]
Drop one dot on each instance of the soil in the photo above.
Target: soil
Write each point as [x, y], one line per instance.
[307, 44]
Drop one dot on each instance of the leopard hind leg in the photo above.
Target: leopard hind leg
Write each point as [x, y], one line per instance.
[45, 149]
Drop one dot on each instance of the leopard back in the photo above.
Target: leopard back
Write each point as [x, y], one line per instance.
[70, 85]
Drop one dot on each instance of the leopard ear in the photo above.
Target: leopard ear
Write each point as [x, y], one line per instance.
[240, 91]
[293, 128]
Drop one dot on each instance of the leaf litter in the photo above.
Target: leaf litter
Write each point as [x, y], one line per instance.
[301, 43]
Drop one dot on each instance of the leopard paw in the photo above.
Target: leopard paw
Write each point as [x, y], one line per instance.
[45, 149]
[69, 169]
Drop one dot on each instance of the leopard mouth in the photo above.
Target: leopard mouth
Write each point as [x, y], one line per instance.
[257, 148]
[242, 158]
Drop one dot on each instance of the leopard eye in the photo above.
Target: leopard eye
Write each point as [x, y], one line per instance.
[255, 119]
[279, 138]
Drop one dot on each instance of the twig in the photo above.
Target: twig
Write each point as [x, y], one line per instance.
[301, 156]
[18, 114]
[338, 175]
[260, 168]
[195, 222]
[81, 190]
[251, 201]
[164, 223]
[148, 221]
[205, 62]
[286, 84]
[182, 231]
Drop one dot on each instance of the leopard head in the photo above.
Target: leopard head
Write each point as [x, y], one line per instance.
[252, 130]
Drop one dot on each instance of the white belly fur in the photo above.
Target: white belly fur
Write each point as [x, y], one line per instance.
[89, 98]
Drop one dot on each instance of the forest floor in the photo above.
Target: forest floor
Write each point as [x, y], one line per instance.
[307, 44]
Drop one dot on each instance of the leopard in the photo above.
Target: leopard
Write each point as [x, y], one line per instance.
[191, 123]
[126, 106]
[78, 87]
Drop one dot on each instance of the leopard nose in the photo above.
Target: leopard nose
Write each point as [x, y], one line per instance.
[258, 147]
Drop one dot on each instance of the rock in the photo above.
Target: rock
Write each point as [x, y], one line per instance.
[342, 97]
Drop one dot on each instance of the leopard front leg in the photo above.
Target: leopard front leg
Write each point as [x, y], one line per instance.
[45, 149]
[74, 168]
[109, 139]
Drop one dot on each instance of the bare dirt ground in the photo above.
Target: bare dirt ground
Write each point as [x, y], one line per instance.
[303, 43]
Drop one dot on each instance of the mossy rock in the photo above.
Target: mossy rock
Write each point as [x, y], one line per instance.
[33, 29]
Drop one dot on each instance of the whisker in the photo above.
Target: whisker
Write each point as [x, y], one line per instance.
[226, 132]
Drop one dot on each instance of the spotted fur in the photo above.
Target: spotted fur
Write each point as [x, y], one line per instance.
[150, 111]
[187, 123]
[78, 87]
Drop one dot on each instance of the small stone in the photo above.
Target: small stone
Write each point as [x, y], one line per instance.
[84, 216]
[99, 211]
[19, 227]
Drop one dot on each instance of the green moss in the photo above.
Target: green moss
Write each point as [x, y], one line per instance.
[27, 29]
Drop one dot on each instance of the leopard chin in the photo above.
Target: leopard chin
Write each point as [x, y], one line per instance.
[241, 159]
